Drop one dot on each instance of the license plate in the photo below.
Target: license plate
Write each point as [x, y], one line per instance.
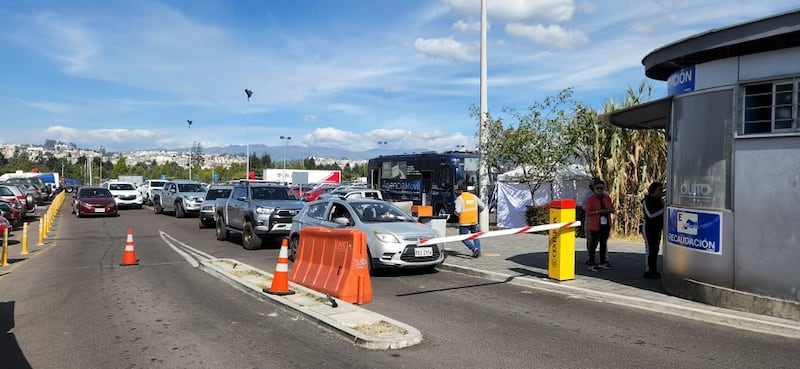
[423, 251]
[99, 210]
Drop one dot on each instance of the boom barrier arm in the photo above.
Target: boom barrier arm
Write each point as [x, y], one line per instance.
[504, 232]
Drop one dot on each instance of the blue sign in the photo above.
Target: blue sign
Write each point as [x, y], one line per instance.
[216, 176]
[697, 230]
[681, 82]
[164, 177]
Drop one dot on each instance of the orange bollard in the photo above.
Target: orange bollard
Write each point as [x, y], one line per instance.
[41, 233]
[129, 256]
[280, 281]
[24, 250]
[4, 256]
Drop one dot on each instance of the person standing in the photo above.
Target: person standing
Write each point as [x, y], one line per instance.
[599, 209]
[652, 226]
[467, 208]
[586, 232]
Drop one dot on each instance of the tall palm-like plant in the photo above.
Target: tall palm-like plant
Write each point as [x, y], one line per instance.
[628, 160]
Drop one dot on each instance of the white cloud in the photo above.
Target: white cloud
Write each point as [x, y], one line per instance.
[310, 118]
[99, 137]
[464, 26]
[549, 11]
[48, 106]
[553, 34]
[446, 48]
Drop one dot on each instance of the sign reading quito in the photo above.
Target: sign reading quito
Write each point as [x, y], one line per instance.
[698, 230]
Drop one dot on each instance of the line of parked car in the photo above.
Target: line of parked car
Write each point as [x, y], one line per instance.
[261, 211]
[19, 198]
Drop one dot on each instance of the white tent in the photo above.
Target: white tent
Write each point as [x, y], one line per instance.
[513, 197]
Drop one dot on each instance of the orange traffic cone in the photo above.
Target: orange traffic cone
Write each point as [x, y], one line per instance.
[129, 256]
[280, 281]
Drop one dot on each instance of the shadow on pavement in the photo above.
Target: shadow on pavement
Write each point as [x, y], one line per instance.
[628, 268]
[10, 353]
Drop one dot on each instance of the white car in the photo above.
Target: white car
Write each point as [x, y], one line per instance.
[125, 194]
[148, 187]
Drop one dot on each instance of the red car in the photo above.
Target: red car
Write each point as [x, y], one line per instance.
[4, 224]
[12, 212]
[94, 200]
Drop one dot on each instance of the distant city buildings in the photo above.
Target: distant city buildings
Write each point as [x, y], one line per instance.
[70, 153]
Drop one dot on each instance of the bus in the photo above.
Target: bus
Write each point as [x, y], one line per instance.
[429, 178]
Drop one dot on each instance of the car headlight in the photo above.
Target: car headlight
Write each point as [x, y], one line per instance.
[264, 210]
[385, 237]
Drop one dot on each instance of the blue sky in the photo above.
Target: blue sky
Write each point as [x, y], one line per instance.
[127, 75]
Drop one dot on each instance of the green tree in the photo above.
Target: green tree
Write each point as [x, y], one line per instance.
[538, 142]
[120, 168]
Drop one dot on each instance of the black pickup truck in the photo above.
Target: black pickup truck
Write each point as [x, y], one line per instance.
[258, 211]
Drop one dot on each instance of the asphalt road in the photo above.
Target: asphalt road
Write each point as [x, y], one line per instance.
[73, 306]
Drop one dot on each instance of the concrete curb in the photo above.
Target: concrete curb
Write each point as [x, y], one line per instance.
[348, 320]
[667, 305]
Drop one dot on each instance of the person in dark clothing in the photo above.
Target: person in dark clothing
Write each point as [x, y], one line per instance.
[652, 226]
[598, 211]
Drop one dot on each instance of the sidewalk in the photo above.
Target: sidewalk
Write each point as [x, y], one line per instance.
[522, 259]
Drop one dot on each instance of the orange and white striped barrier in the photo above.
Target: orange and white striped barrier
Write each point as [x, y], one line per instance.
[503, 232]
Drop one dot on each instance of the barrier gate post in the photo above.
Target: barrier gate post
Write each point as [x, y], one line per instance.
[561, 242]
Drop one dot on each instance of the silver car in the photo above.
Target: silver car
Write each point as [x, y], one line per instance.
[392, 234]
[207, 210]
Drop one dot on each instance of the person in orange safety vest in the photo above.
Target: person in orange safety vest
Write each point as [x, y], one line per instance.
[468, 206]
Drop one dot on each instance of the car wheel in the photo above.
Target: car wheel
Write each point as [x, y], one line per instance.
[222, 233]
[179, 212]
[250, 239]
[370, 265]
[157, 209]
[294, 243]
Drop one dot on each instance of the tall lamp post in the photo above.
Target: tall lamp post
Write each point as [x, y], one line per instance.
[249, 94]
[191, 151]
[285, 139]
[483, 172]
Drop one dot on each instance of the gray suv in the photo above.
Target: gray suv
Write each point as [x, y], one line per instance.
[207, 209]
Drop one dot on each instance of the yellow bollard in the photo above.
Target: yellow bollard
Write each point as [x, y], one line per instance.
[4, 258]
[41, 233]
[24, 239]
[561, 255]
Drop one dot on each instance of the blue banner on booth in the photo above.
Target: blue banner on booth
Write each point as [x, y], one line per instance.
[681, 82]
[698, 230]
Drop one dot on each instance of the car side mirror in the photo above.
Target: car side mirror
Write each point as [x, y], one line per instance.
[342, 221]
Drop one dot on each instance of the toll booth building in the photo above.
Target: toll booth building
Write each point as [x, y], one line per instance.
[732, 122]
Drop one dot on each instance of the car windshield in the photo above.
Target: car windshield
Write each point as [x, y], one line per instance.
[272, 193]
[190, 187]
[94, 193]
[121, 186]
[216, 193]
[157, 183]
[380, 212]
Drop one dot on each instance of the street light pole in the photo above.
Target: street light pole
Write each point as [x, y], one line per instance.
[483, 172]
[191, 151]
[249, 94]
[287, 139]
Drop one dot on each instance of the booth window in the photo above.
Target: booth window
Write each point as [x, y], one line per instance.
[771, 107]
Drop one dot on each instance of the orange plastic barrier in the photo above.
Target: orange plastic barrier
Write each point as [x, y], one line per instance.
[422, 210]
[334, 261]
